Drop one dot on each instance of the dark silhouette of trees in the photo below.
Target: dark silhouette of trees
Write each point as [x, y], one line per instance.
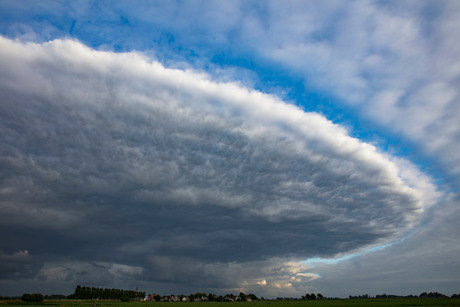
[313, 296]
[431, 294]
[128, 295]
[252, 297]
[35, 297]
[365, 296]
[105, 293]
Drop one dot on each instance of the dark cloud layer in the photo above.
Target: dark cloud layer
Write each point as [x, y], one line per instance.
[18, 265]
[112, 161]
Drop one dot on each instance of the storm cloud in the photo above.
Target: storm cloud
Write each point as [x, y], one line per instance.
[121, 164]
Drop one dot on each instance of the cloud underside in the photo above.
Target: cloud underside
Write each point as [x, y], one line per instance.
[116, 159]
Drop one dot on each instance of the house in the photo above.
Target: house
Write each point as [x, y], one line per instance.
[151, 297]
[173, 298]
[185, 299]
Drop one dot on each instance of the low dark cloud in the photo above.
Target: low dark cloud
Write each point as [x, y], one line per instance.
[18, 265]
[111, 162]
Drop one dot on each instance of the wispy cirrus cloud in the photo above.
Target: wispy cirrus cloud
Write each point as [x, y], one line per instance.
[394, 63]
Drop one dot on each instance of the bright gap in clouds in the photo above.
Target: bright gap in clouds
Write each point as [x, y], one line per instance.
[164, 174]
[312, 261]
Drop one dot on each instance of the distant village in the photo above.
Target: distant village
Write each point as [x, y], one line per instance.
[202, 297]
[93, 293]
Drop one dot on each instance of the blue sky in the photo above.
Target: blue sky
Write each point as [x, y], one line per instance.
[166, 145]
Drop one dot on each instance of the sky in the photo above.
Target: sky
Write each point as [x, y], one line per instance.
[269, 147]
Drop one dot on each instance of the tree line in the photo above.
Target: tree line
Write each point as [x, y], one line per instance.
[85, 293]
[313, 296]
[127, 295]
[35, 297]
[422, 295]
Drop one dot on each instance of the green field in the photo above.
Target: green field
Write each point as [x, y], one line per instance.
[266, 303]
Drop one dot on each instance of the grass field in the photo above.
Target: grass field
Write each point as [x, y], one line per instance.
[267, 303]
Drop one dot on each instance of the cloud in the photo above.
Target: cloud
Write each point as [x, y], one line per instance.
[425, 261]
[19, 264]
[115, 159]
[394, 63]
[98, 273]
[267, 277]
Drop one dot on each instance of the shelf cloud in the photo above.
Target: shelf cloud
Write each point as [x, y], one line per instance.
[133, 168]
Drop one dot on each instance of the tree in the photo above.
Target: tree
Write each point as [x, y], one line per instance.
[319, 296]
[253, 297]
[36, 297]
